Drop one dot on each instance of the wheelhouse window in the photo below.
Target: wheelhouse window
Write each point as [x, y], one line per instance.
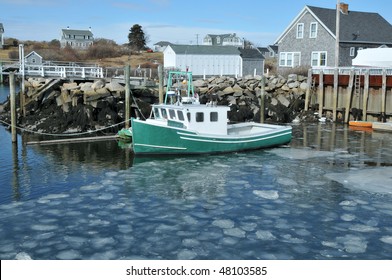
[319, 59]
[199, 117]
[313, 30]
[156, 113]
[290, 59]
[300, 30]
[164, 113]
[180, 115]
[172, 114]
[213, 116]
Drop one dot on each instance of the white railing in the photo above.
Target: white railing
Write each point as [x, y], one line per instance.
[62, 71]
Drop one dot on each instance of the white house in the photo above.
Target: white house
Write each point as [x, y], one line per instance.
[223, 40]
[204, 60]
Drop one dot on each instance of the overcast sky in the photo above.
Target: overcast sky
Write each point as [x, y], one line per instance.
[181, 22]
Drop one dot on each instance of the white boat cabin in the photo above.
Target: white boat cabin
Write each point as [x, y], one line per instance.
[199, 118]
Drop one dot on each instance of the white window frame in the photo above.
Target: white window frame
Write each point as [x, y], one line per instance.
[300, 31]
[318, 60]
[352, 51]
[288, 59]
[313, 34]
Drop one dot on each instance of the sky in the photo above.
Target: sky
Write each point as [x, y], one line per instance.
[179, 22]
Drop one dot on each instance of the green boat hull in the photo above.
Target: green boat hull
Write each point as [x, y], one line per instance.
[155, 139]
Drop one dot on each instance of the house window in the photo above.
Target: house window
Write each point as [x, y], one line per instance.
[300, 30]
[218, 40]
[352, 51]
[319, 59]
[313, 30]
[290, 59]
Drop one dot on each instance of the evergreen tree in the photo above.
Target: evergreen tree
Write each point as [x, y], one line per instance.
[136, 38]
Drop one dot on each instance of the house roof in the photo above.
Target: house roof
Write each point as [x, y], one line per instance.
[33, 53]
[77, 32]
[251, 53]
[202, 49]
[162, 43]
[354, 26]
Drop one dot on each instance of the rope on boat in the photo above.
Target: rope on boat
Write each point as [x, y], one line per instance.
[62, 134]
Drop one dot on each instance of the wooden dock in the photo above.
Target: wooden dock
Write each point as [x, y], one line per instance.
[351, 93]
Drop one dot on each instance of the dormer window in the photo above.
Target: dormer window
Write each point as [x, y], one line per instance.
[218, 40]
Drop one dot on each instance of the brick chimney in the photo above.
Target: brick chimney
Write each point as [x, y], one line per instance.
[344, 8]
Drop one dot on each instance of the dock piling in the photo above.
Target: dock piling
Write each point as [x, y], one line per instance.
[13, 108]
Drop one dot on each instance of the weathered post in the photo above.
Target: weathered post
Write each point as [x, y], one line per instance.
[383, 92]
[321, 93]
[13, 108]
[365, 95]
[308, 88]
[349, 96]
[127, 72]
[1, 73]
[160, 76]
[335, 93]
[262, 93]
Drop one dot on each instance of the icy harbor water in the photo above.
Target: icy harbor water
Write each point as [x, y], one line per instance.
[327, 195]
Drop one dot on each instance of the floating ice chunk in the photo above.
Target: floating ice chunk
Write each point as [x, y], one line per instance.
[294, 153]
[105, 196]
[375, 180]
[229, 241]
[267, 194]
[348, 203]
[186, 255]
[93, 187]
[288, 238]
[236, 232]
[223, 223]
[111, 174]
[190, 242]
[386, 239]
[353, 244]
[40, 227]
[348, 217]
[68, 255]
[22, 256]
[265, 235]
[330, 244]
[286, 181]
[100, 242]
[363, 228]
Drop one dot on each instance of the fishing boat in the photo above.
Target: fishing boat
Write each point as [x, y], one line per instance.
[181, 125]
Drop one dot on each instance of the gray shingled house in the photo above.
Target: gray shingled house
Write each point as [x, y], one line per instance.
[310, 38]
[213, 60]
[76, 39]
[223, 40]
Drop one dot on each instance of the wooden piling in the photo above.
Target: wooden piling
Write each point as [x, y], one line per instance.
[349, 96]
[262, 93]
[365, 95]
[13, 108]
[160, 76]
[127, 72]
[335, 93]
[383, 92]
[321, 93]
[309, 85]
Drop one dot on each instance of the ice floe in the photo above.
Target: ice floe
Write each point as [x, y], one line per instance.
[268, 194]
[375, 180]
[300, 154]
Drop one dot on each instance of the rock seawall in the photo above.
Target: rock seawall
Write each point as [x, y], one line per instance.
[54, 106]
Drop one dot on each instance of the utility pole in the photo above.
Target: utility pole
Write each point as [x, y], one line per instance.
[197, 39]
[337, 33]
